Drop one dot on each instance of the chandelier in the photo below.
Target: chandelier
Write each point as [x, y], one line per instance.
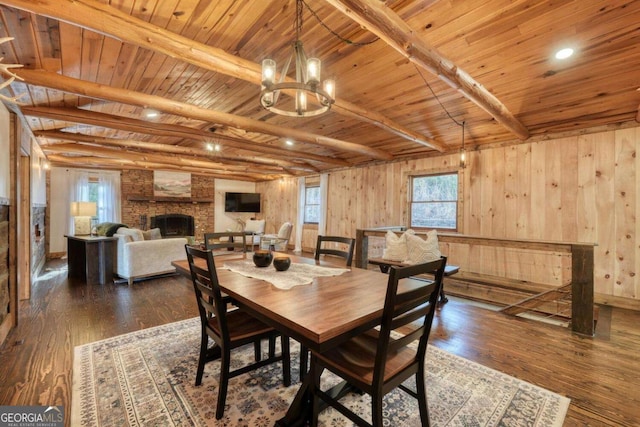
[306, 85]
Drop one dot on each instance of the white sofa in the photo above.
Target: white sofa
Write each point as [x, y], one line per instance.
[139, 258]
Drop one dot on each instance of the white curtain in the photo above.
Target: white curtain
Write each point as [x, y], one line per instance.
[300, 221]
[324, 195]
[109, 197]
[78, 192]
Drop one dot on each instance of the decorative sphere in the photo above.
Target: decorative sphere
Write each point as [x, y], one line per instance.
[262, 258]
[281, 263]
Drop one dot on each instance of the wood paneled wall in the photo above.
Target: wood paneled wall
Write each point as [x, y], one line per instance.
[582, 188]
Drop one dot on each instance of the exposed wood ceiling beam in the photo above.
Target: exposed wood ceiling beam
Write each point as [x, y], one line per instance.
[381, 20]
[140, 126]
[102, 163]
[153, 147]
[110, 21]
[95, 90]
[165, 159]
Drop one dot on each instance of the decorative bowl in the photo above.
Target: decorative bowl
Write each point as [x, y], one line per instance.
[262, 258]
[281, 263]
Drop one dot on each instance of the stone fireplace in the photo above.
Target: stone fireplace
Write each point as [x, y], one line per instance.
[139, 204]
[174, 225]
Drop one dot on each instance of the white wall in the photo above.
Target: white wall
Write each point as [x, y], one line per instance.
[38, 176]
[59, 210]
[4, 152]
[227, 220]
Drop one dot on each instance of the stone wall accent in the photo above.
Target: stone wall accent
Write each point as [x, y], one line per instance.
[4, 262]
[138, 213]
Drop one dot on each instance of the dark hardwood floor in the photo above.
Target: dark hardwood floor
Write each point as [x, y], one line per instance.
[601, 375]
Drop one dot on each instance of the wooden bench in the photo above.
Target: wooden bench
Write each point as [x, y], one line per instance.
[384, 265]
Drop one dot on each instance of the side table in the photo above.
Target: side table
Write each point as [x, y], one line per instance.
[90, 258]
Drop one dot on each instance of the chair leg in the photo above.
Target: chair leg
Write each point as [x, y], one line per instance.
[443, 298]
[257, 351]
[304, 360]
[204, 342]
[421, 391]
[286, 360]
[272, 346]
[223, 383]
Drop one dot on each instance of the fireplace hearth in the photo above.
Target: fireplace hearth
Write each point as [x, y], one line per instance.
[174, 225]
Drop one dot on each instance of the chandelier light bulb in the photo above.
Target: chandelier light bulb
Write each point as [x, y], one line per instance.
[313, 71]
[330, 88]
[301, 102]
[268, 71]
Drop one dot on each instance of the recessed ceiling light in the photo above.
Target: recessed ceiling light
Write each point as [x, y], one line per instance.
[288, 142]
[150, 113]
[217, 147]
[564, 53]
[209, 147]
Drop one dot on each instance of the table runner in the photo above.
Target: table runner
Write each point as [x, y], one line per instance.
[297, 274]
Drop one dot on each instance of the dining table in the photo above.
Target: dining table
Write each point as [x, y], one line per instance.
[320, 314]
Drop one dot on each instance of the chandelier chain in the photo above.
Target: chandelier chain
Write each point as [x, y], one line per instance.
[438, 99]
[338, 36]
[298, 21]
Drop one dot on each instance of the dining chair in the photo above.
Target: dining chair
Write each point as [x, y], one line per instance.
[381, 359]
[229, 328]
[335, 246]
[225, 240]
[321, 249]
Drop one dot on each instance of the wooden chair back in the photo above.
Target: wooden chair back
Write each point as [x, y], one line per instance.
[229, 329]
[331, 249]
[211, 302]
[225, 240]
[404, 305]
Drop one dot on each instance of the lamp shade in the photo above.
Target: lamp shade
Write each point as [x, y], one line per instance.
[83, 209]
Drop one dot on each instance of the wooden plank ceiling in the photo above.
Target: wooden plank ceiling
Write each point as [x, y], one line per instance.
[404, 71]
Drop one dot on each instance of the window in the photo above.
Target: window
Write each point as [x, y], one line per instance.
[312, 205]
[434, 201]
[94, 190]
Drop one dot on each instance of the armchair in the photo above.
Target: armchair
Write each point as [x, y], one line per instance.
[280, 240]
[254, 229]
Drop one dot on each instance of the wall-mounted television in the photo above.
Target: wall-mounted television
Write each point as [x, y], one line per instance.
[242, 202]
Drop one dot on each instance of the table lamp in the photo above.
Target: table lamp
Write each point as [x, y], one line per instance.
[82, 213]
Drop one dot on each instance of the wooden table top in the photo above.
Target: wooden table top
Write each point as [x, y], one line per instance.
[320, 314]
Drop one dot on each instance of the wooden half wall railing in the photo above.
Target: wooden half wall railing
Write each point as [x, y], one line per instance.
[581, 254]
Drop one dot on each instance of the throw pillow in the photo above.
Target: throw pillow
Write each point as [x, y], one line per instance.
[420, 250]
[136, 235]
[153, 234]
[396, 246]
[108, 228]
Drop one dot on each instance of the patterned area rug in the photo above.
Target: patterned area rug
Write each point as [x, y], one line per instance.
[146, 378]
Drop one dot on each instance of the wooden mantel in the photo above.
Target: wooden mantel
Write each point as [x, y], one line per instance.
[168, 199]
